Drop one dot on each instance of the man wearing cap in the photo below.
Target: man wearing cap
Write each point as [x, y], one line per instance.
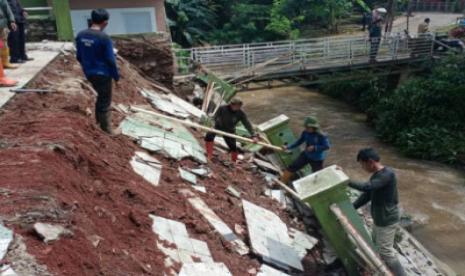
[316, 144]
[226, 119]
[96, 55]
[381, 190]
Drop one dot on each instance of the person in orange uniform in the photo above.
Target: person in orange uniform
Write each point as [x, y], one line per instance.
[7, 19]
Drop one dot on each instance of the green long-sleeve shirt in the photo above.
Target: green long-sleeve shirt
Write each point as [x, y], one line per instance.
[381, 190]
[6, 15]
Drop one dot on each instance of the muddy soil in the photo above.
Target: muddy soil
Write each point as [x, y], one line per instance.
[57, 166]
[151, 55]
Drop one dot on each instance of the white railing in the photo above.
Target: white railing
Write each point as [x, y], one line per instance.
[304, 54]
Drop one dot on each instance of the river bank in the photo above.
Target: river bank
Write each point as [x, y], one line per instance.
[434, 194]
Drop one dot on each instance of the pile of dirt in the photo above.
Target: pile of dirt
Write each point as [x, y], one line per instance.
[150, 54]
[58, 167]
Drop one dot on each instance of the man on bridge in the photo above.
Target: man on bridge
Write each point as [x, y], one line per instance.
[423, 28]
[375, 31]
[226, 119]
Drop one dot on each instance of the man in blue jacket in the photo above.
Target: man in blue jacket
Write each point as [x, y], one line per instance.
[96, 55]
[316, 144]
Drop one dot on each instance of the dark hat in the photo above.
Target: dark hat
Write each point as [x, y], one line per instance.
[99, 16]
[236, 101]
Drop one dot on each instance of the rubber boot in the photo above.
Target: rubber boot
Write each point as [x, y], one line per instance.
[106, 123]
[6, 59]
[286, 177]
[209, 148]
[4, 81]
[104, 120]
[234, 156]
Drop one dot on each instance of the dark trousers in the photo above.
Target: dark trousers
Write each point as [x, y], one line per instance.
[17, 43]
[231, 142]
[302, 161]
[103, 86]
[374, 47]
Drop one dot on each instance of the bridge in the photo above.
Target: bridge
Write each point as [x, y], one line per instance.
[306, 61]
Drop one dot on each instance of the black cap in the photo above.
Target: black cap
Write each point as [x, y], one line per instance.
[99, 16]
[427, 20]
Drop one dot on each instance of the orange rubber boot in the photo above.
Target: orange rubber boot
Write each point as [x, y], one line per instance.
[234, 155]
[4, 81]
[209, 149]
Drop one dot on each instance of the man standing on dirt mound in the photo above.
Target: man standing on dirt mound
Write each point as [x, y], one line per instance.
[96, 55]
[226, 119]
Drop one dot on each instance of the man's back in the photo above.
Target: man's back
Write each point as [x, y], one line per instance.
[95, 53]
[423, 28]
[385, 200]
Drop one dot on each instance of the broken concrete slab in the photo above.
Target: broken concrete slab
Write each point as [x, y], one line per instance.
[301, 242]
[188, 176]
[200, 269]
[163, 103]
[190, 108]
[50, 232]
[159, 135]
[218, 224]
[269, 237]
[201, 171]
[269, 271]
[233, 191]
[7, 271]
[6, 237]
[147, 166]
[266, 166]
[187, 250]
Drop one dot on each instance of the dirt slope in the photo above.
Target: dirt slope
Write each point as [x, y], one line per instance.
[57, 166]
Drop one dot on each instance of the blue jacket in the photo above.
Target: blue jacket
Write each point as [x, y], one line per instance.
[320, 141]
[95, 53]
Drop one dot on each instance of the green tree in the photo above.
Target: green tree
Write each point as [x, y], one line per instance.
[190, 20]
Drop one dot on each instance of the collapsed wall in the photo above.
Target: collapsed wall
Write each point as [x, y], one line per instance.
[59, 168]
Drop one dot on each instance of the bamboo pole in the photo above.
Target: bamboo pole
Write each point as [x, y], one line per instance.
[360, 241]
[206, 129]
[287, 189]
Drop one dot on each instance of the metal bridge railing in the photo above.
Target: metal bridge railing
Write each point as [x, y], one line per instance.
[304, 54]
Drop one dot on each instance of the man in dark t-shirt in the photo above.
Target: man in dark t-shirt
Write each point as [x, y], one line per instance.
[98, 61]
[226, 119]
[381, 190]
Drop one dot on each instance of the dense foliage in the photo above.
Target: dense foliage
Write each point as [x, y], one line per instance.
[195, 22]
[424, 117]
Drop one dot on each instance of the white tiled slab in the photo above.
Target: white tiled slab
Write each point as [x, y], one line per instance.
[219, 225]
[269, 271]
[187, 250]
[147, 167]
[6, 237]
[301, 242]
[201, 269]
[269, 237]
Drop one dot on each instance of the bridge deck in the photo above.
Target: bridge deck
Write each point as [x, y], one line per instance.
[248, 62]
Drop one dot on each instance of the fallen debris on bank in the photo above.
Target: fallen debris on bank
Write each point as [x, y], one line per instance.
[142, 203]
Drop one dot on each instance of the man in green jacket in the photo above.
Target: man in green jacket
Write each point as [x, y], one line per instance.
[381, 190]
[7, 19]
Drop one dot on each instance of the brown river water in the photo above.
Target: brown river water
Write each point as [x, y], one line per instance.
[432, 193]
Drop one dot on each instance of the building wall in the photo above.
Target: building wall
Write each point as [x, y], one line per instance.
[135, 5]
